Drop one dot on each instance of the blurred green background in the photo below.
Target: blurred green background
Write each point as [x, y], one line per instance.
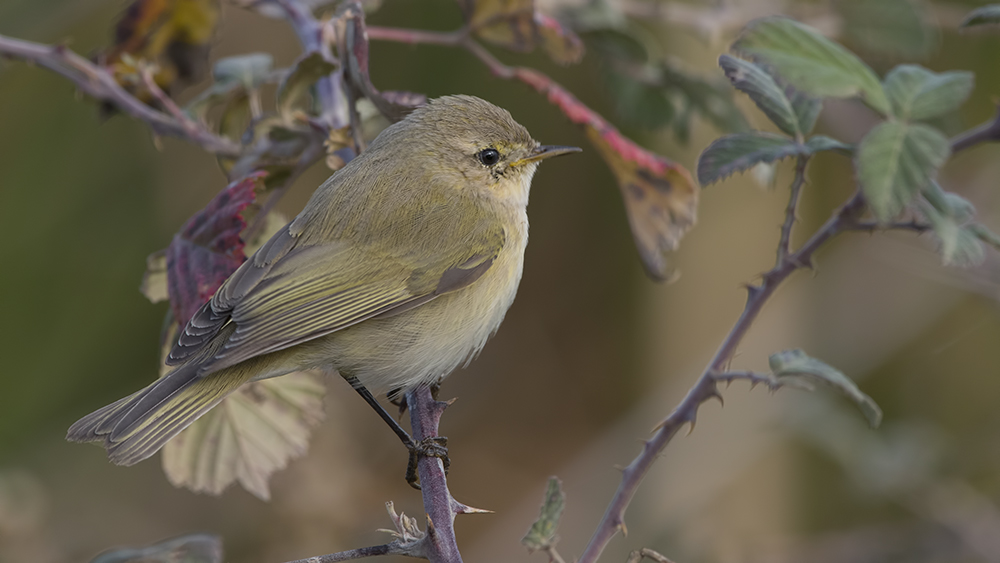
[591, 356]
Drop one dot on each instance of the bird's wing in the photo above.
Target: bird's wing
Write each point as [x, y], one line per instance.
[289, 293]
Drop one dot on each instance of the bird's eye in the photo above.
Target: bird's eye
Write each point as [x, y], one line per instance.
[489, 157]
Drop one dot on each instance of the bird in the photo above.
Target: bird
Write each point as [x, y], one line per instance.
[397, 271]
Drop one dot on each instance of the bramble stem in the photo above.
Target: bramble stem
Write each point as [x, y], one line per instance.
[989, 131]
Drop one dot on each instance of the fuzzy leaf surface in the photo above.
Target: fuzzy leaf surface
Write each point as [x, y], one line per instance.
[895, 161]
[542, 533]
[917, 93]
[763, 90]
[796, 364]
[810, 62]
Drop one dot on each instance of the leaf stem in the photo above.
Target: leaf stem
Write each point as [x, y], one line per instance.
[97, 82]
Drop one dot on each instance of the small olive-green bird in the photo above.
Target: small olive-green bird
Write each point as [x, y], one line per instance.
[399, 269]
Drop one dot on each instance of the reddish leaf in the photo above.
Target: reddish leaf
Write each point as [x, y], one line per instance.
[209, 248]
[660, 196]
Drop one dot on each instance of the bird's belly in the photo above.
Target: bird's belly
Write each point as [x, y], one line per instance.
[424, 344]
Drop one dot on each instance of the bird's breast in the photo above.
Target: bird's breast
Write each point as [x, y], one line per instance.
[424, 344]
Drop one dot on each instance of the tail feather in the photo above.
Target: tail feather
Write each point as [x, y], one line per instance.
[136, 427]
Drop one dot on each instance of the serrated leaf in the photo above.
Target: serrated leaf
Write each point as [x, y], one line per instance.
[895, 28]
[307, 70]
[191, 548]
[763, 90]
[949, 215]
[982, 15]
[248, 436]
[810, 62]
[542, 533]
[250, 70]
[796, 364]
[917, 93]
[217, 93]
[895, 161]
[208, 247]
[806, 108]
[739, 152]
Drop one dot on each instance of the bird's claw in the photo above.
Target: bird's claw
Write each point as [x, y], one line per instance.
[435, 446]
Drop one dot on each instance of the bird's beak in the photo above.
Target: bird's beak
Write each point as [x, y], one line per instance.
[546, 151]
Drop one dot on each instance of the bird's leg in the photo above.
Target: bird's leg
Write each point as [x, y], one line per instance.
[435, 446]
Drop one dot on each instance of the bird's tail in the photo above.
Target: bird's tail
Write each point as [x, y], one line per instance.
[136, 427]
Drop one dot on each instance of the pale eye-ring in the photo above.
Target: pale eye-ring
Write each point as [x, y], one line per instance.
[489, 157]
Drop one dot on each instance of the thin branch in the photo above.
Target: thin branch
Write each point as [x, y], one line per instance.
[754, 378]
[441, 508]
[97, 82]
[705, 387]
[785, 242]
[989, 131]
[393, 548]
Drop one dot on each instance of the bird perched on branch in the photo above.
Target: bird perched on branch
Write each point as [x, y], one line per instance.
[397, 271]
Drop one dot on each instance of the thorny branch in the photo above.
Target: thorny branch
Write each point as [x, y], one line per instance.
[846, 219]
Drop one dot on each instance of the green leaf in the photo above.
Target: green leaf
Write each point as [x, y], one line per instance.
[796, 364]
[949, 215]
[763, 90]
[806, 108]
[984, 234]
[742, 151]
[818, 143]
[543, 532]
[893, 28]
[191, 548]
[811, 62]
[917, 93]
[250, 435]
[250, 70]
[982, 15]
[308, 69]
[895, 161]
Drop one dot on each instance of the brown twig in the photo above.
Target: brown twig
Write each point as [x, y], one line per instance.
[785, 242]
[97, 82]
